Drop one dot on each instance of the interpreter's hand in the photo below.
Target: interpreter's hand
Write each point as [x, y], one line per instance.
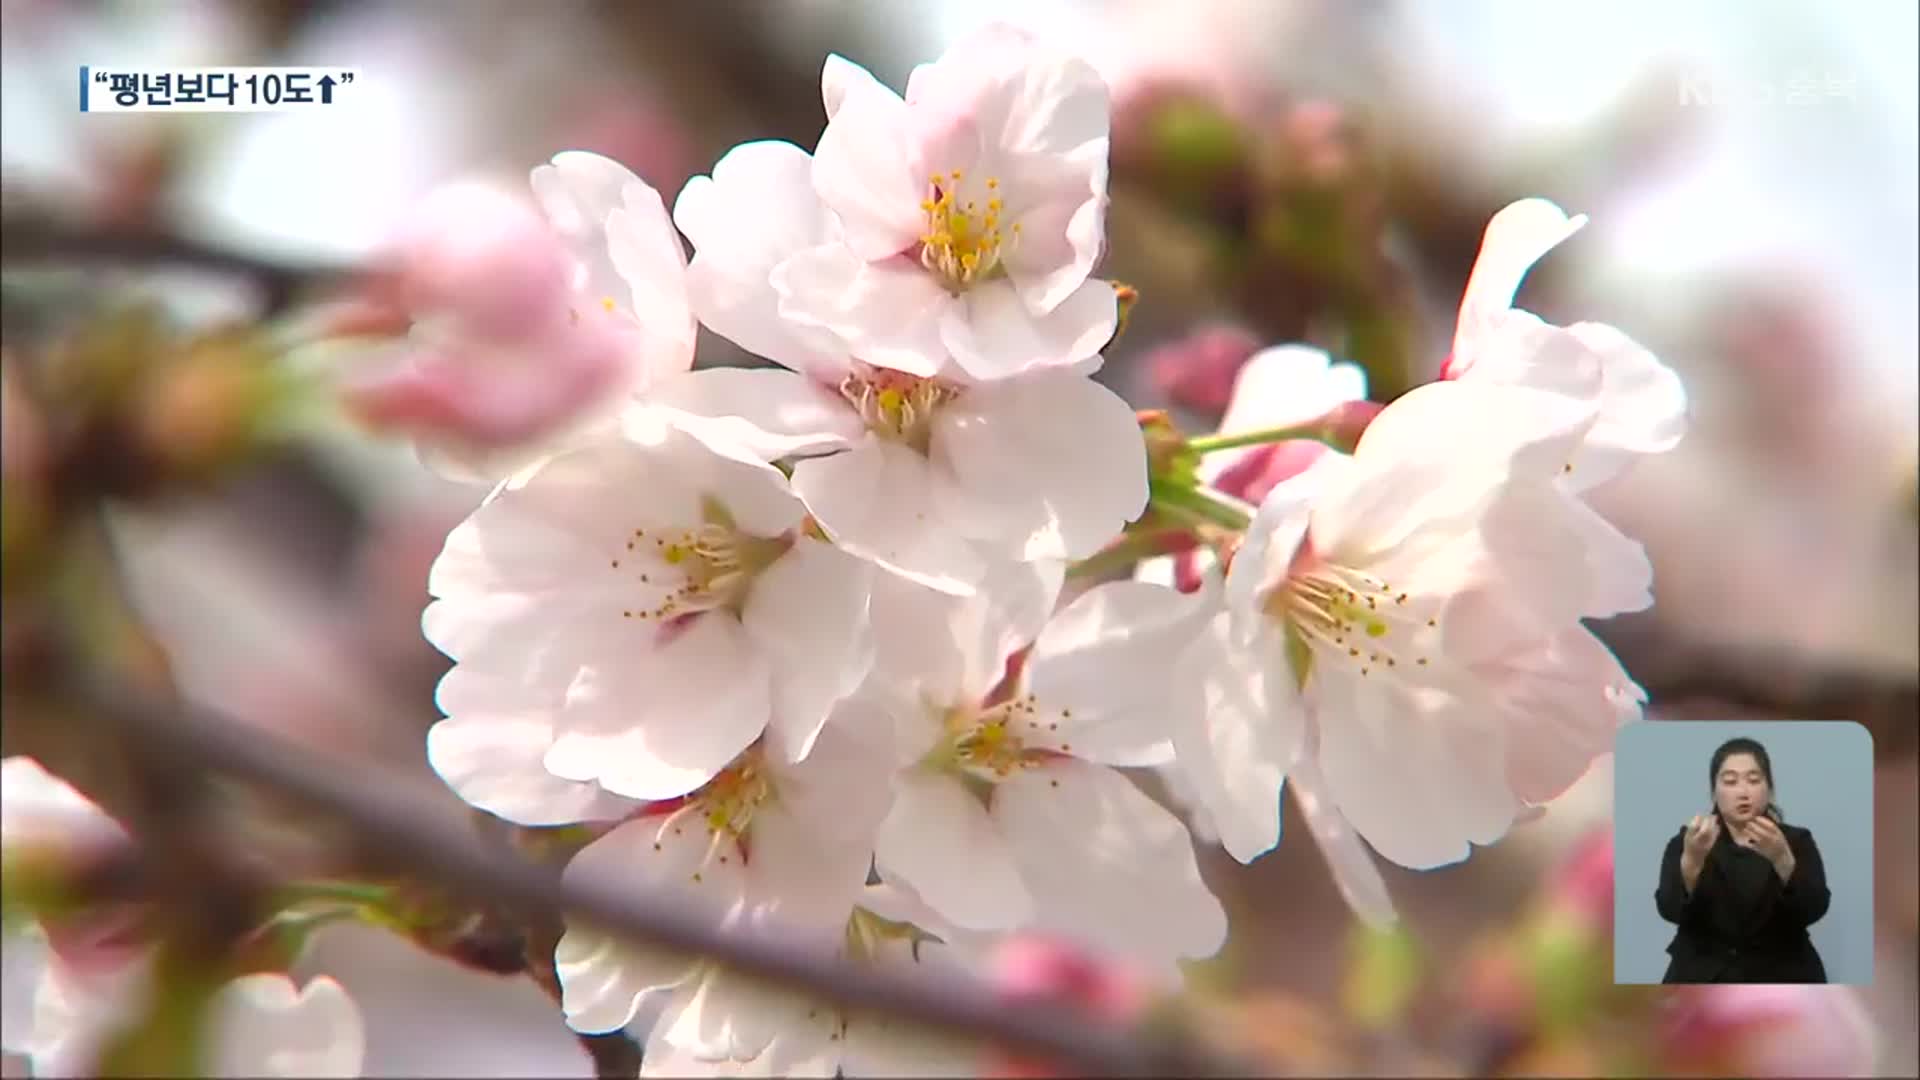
[1768, 839]
[1702, 831]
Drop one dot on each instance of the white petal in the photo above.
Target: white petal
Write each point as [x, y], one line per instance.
[1106, 666]
[568, 514]
[263, 1026]
[888, 312]
[602, 980]
[941, 841]
[1643, 405]
[1355, 873]
[646, 251]
[763, 412]
[877, 501]
[1288, 385]
[755, 211]
[1433, 458]
[729, 1016]
[807, 613]
[1278, 528]
[1050, 465]
[992, 334]
[1421, 774]
[811, 846]
[840, 76]
[866, 169]
[952, 649]
[1058, 207]
[1235, 731]
[1618, 569]
[657, 723]
[24, 963]
[579, 191]
[492, 749]
[38, 808]
[1565, 701]
[1515, 239]
[1106, 864]
[1027, 96]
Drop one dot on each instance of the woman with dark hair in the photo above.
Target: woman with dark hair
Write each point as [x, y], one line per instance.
[1742, 884]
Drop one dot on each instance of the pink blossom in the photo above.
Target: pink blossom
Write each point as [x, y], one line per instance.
[1198, 371]
[1583, 884]
[480, 255]
[453, 391]
[1786, 1031]
[1032, 968]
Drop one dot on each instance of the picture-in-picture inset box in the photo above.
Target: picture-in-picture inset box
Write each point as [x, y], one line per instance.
[1743, 852]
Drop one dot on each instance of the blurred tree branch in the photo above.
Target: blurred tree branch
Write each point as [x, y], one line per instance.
[40, 240]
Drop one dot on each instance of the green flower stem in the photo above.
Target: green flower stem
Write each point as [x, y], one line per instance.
[1208, 444]
[346, 892]
[1196, 507]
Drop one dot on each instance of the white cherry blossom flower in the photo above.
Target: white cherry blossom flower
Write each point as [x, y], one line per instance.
[970, 212]
[932, 477]
[1008, 812]
[666, 597]
[1367, 610]
[890, 928]
[766, 846]
[921, 472]
[1642, 404]
[60, 1014]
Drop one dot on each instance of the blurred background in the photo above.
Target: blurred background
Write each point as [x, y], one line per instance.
[1283, 170]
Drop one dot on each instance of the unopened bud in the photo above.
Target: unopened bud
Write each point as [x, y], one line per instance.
[1197, 372]
[486, 258]
[459, 394]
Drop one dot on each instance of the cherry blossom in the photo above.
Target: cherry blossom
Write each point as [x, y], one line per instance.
[530, 327]
[1008, 813]
[62, 1006]
[1642, 404]
[926, 474]
[664, 601]
[970, 212]
[890, 928]
[766, 846]
[1364, 609]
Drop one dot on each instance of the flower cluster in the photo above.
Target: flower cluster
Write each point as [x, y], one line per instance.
[73, 983]
[794, 636]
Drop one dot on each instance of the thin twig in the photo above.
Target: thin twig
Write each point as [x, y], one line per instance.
[39, 240]
[411, 825]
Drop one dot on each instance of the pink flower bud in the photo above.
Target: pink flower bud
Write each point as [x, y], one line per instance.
[458, 392]
[487, 259]
[1259, 470]
[1801, 1030]
[1197, 372]
[1031, 968]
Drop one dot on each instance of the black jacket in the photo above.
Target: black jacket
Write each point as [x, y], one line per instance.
[1742, 924]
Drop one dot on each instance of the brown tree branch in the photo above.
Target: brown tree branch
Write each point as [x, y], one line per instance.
[41, 241]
